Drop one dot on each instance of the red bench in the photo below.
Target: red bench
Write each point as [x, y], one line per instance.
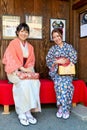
[47, 93]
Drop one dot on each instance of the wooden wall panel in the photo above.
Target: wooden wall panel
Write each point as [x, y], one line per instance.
[19, 7]
[62, 7]
[47, 9]
[79, 43]
[83, 59]
[38, 7]
[7, 7]
[24, 7]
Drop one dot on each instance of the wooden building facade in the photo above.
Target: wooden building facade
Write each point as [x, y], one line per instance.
[69, 10]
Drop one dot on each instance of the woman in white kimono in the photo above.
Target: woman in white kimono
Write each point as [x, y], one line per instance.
[19, 57]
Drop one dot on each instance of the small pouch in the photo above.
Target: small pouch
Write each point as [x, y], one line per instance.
[31, 75]
[67, 70]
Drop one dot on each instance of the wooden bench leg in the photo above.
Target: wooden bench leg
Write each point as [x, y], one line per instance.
[74, 104]
[6, 109]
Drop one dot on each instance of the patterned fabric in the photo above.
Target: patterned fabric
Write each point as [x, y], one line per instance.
[31, 75]
[13, 57]
[63, 84]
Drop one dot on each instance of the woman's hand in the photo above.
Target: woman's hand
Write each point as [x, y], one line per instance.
[26, 70]
[22, 69]
[62, 61]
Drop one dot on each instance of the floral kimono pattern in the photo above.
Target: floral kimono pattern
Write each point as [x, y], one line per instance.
[62, 84]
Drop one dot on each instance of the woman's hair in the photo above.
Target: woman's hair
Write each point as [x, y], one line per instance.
[24, 26]
[57, 30]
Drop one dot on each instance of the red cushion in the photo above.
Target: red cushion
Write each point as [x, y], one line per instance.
[6, 96]
[47, 92]
[80, 92]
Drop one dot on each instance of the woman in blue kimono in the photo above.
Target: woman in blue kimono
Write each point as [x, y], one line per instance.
[62, 84]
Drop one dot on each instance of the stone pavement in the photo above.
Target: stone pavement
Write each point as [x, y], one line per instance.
[47, 120]
[80, 111]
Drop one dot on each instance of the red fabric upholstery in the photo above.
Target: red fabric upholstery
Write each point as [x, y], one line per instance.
[47, 92]
[80, 90]
[6, 97]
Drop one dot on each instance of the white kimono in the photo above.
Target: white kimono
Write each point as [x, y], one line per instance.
[25, 92]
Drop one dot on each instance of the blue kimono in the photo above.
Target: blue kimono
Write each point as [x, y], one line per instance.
[62, 84]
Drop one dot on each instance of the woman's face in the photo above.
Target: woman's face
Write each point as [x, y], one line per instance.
[57, 38]
[23, 34]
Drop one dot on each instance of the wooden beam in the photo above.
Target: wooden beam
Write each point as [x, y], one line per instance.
[79, 4]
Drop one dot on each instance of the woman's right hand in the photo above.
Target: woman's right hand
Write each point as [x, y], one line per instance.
[22, 69]
[26, 70]
[61, 61]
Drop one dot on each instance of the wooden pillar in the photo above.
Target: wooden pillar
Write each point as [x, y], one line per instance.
[74, 104]
[6, 109]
